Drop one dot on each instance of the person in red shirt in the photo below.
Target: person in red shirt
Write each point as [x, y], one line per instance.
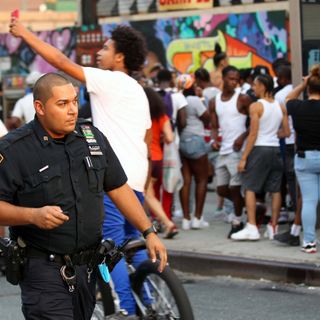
[161, 133]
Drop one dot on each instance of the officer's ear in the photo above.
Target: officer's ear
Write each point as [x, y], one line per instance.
[39, 107]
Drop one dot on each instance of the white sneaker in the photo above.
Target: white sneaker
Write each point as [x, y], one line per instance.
[199, 223]
[186, 224]
[270, 231]
[249, 232]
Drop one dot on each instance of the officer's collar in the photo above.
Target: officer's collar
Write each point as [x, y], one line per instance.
[44, 136]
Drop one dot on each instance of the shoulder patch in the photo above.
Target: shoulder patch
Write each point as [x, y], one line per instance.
[1, 158]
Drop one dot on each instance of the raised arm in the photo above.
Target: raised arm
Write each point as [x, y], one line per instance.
[295, 93]
[49, 53]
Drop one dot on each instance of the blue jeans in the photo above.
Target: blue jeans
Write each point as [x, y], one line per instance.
[116, 227]
[308, 174]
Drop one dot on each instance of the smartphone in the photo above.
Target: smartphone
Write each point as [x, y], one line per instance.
[15, 13]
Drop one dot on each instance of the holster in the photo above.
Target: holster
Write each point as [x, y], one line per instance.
[14, 254]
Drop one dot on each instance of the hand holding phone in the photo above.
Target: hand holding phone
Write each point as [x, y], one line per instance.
[15, 14]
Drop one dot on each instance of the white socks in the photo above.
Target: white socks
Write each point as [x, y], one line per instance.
[295, 230]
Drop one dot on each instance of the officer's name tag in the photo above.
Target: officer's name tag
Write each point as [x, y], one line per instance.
[95, 150]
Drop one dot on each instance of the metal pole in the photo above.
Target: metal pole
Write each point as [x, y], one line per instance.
[295, 40]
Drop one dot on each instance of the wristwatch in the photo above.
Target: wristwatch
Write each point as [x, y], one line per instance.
[151, 229]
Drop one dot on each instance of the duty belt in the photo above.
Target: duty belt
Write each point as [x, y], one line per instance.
[80, 258]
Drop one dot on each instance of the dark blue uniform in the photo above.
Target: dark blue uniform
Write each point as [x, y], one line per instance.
[73, 173]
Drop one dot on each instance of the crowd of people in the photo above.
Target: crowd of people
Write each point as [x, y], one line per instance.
[244, 129]
[241, 130]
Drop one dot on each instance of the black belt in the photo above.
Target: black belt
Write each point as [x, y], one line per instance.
[80, 258]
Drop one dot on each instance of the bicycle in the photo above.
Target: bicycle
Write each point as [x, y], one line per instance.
[158, 296]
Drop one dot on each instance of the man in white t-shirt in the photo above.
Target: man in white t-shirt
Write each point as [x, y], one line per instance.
[120, 110]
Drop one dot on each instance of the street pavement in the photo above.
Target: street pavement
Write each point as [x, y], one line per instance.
[209, 252]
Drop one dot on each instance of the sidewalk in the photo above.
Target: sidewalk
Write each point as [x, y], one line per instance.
[209, 252]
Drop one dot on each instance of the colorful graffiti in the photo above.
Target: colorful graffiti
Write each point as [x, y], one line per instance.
[24, 59]
[184, 43]
[187, 43]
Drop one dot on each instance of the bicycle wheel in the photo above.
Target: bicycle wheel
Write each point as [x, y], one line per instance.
[160, 295]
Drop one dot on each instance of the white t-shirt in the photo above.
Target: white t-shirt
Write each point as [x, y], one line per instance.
[3, 129]
[24, 108]
[281, 96]
[120, 110]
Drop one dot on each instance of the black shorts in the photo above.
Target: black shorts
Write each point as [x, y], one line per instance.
[264, 170]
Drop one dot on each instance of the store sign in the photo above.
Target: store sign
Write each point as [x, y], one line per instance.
[166, 5]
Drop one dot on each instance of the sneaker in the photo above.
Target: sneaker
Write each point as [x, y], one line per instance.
[287, 238]
[310, 247]
[249, 232]
[271, 231]
[186, 224]
[235, 227]
[199, 223]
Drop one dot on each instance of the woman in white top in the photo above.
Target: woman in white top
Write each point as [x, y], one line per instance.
[261, 162]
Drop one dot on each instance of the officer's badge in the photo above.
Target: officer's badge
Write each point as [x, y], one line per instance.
[1, 158]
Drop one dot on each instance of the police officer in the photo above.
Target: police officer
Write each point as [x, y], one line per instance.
[53, 173]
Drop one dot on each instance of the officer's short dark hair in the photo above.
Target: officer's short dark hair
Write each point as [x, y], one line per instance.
[42, 90]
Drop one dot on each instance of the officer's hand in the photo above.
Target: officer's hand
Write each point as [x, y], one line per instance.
[156, 248]
[48, 217]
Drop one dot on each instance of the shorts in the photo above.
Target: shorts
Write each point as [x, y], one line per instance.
[193, 147]
[212, 157]
[264, 170]
[227, 169]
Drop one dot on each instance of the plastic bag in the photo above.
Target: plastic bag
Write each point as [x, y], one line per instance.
[171, 166]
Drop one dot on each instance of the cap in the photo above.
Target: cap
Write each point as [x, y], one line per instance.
[32, 78]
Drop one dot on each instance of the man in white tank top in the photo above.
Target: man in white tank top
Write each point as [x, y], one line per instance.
[228, 111]
[261, 162]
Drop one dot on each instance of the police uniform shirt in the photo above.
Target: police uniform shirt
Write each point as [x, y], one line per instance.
[73, 173]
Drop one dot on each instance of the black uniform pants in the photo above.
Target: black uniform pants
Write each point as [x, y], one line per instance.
[46, 296]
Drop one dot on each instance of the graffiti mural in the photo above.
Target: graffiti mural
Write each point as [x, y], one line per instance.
[24, 59]
[184, 43]
[187, 43]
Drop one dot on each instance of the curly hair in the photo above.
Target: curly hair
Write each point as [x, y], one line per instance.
[132, 44]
